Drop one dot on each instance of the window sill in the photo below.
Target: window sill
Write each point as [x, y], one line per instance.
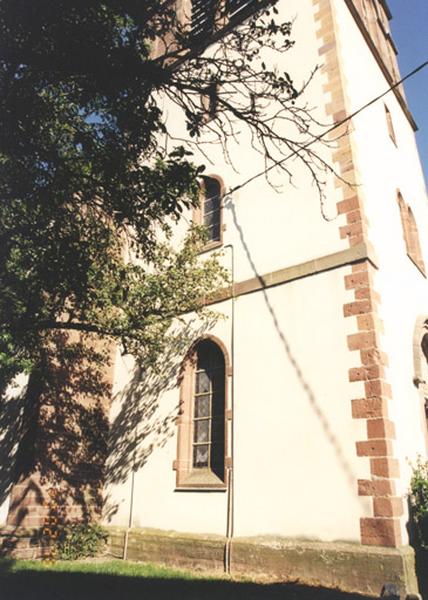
[211, 246]
[201, 480]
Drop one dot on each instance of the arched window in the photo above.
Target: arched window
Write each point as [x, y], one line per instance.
[202, 424]
[390, 124]
[410, 233]
[209, 213]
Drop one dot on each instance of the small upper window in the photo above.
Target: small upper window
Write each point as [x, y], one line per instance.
[209, 213]
[410, 233]
[209, 101]
[209, 16]
[211, 208]
[390, 124]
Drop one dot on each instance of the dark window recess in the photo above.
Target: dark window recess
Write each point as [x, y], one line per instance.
[234, 8]
[203, 14]
[208, 416]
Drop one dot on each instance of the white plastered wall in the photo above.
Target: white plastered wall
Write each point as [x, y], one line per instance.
[295, 462]
[295, 466]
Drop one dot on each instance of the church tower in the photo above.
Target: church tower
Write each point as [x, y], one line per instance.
[321, 346]
[280, 440]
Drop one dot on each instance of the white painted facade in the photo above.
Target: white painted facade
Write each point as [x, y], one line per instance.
[295, 465]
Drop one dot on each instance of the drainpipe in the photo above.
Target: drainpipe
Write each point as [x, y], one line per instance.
[131, 511]
[230, 469]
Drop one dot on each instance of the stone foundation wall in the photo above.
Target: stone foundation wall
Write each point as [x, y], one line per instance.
[348, 567]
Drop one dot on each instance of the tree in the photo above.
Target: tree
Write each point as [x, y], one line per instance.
[83, 179]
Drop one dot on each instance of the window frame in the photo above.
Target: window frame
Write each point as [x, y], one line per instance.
[189, 477]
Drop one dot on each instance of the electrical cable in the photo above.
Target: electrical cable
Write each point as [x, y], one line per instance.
[324, 133]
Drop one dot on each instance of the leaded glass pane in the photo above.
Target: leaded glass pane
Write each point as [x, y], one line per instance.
[202, 382]
[211, 218]
[202, 406]
[214, 232]
[211, 204]
[202, 431]
[200, 456]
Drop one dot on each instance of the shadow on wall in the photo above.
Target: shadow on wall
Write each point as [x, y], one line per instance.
[12, 406]
[141, 425]
[61, 437]
[315, 405]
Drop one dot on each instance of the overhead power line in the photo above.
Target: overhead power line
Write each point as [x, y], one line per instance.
[327, 131]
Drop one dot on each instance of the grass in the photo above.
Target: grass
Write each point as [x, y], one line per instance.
[119, 580]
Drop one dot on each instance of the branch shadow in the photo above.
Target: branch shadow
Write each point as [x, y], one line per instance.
[60, 456]
[141, 426]
[12, 418]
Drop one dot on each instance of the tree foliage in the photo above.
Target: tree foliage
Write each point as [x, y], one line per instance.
[84, 180]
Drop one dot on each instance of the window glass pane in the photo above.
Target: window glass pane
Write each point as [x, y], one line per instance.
[200, 456]
[212, 187]
[202, 382]
[211, 204]
[202, 406]
[202, 431]
[211, 218]
[214, 232]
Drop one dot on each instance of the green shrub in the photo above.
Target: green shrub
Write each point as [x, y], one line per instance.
[419, 500]
[79, 540]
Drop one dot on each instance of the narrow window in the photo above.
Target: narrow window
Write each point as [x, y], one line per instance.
[208, 413]
[209, 214]
[209, 101]
[390, 124]
[411, 234]
[201, 435]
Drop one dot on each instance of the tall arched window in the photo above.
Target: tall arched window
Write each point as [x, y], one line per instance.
[202, 423]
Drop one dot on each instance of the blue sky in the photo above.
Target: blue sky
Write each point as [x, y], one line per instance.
[410, 33]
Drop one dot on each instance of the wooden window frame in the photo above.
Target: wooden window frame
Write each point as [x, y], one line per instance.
[189, 477]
